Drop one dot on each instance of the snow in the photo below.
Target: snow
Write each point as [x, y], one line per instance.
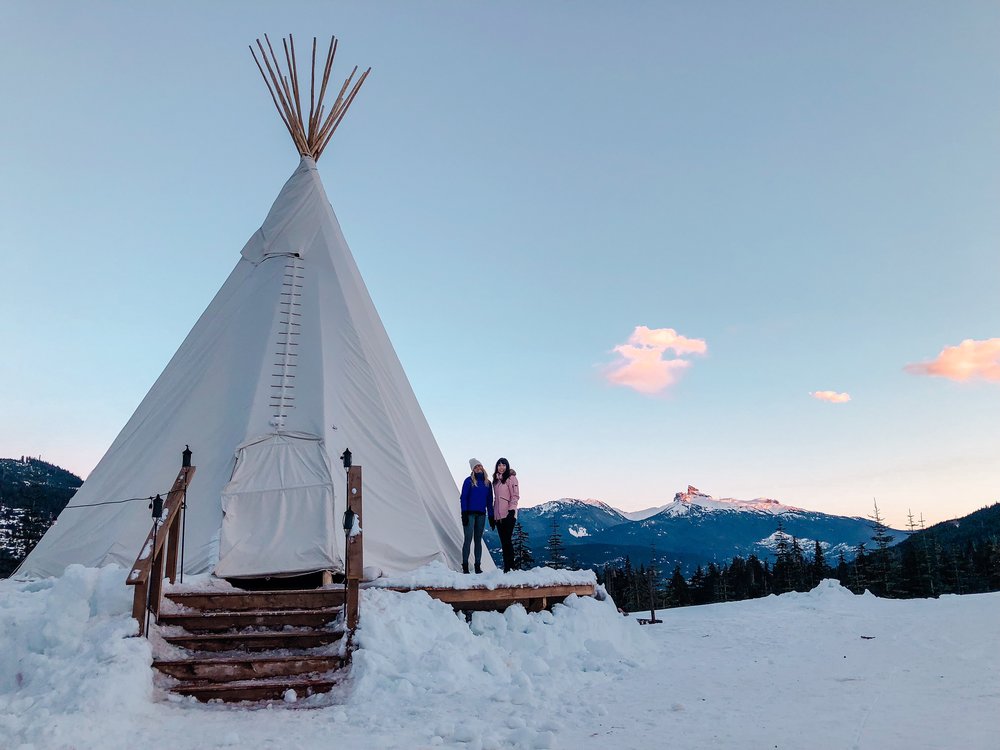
[438, 575]
[805, 543]
[642, 515]
[824, 669]
[560, 504]
[682, 504]
[695, 497]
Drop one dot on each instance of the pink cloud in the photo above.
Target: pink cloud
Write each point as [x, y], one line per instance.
[970, 360]
[832, 396]
[666, 338]
[643, 365]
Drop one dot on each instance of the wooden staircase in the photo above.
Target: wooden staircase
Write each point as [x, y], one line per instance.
[252, 645]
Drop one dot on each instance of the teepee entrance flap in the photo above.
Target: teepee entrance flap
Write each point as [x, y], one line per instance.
[278, 514]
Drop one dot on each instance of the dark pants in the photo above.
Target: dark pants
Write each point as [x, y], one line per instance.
[505, 528]
[474, 525]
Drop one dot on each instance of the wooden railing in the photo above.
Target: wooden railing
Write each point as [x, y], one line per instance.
[355, 563]
[159, 554]
[158, 558]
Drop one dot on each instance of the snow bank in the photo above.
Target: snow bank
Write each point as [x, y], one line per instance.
[483, 682]
[839, 669]
[72, 679]
[66, 663]
[436, 574]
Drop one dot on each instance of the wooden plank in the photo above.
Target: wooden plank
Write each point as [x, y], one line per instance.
[141, 569]
[257, 690]
[149, 554]
[256, 641]
[534, 599]
[173, 548]
[156, 584]
[139, 605]
[355, 548]
[271, 600]
[506, 593]
[217, 621]
[246, 667]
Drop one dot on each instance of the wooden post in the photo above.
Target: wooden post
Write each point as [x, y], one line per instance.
[139, 604]
[173, 548]
[159, 550]
[156, 581]
[354, 552]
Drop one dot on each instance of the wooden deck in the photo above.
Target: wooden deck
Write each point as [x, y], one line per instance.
[533, 598]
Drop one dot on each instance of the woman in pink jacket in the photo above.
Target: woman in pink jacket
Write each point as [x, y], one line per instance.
[505, 496]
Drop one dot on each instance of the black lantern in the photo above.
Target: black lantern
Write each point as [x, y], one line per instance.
[186, 457]
[346, 458]
[348, 520]
[157, 506]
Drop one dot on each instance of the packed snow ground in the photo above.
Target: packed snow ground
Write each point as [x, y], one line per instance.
[825, 669]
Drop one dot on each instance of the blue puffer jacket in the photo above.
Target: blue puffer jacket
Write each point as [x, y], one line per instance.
[478, 498]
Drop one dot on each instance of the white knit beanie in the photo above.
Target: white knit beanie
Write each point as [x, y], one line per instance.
[473, 463]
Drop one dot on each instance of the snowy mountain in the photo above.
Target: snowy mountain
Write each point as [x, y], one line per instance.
[695, 528]
[642, 515]
[576, 519]
[32, 493]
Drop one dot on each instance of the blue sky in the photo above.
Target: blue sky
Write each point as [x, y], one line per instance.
[811, 190]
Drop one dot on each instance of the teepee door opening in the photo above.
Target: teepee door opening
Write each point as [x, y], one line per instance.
[278, 514]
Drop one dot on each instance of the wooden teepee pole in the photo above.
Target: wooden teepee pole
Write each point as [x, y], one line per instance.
[310, 135]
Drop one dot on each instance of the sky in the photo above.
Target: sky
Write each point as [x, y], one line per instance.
[630, 247]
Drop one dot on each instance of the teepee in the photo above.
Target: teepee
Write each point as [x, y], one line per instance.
[289, 366]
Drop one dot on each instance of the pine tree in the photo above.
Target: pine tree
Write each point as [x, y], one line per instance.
[652, 579]
[843, 571]
[554, 548]
[860, 569]
[993, 565]
[713, 579]
[736, 579]
[929, 554]
[882, 573]
[678, 593]
[523, 559]
[784, 562]
[820, 569]
[699, 587]
[757, 575]
[798, 568]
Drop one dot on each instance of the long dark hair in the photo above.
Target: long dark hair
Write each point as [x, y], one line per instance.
[496, 471]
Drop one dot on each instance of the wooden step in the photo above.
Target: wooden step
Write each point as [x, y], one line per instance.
[257, 690]
[249, 667]
[199, 622]
[232, 601]
[259, 641]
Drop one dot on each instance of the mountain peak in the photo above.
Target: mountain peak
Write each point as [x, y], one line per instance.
[562, 502]
[691, 494]
[694, 497]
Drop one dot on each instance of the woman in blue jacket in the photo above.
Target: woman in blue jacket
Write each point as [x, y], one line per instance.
[477, 504]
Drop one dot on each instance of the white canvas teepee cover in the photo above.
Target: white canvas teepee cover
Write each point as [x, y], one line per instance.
[288, 366]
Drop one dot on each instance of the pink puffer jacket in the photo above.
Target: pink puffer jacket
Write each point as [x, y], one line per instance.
[505, 496]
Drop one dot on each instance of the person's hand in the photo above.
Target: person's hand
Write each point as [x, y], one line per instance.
[465, 518]
[511, 515]
[493, 524]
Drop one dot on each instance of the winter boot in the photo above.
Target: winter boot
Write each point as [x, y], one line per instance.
[465, 567]
[479, 568]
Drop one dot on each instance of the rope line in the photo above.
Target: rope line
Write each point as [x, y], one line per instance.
[115, 502]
